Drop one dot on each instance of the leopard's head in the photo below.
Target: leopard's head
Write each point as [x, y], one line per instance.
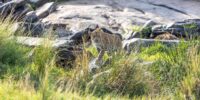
[96, 35]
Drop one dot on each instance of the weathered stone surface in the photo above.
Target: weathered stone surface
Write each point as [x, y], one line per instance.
[134, 35]
[31, 17]
[4, 1]
[55, 25]
[65, 58]
[120, 15]
[136, 43]
[20, 13]
[65, 54]
[158, 29]
[38, 3]
[145, 31]
[46, 9]
[29, 29]
[188, 28]
[7, 7]
[62, 32]
[148, 24]
[79, 26]
[33, 41]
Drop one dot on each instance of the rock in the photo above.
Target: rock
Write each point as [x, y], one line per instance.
[35, 29]
[134, 35]
[7, 7]
[62, 32]
[46, 9]
[20, 13]
[145, 31]
[76, 16]
[136, 43]
[59, 28]
[131, 35]
[65, 58]
[148, 24]
[157, 30]
[31, 17]
[4, 1]
[82, 25]
[29, 29]
[188, 29]
[33, 41]
[65, 55]
[38, 3]
[55, 25]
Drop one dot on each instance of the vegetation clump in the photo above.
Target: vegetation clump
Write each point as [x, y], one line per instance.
[157, 72]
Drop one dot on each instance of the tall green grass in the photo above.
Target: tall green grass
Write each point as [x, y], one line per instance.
[31, 73]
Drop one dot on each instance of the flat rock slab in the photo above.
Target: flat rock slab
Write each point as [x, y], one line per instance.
[32, 42]
[124, 13]
[136, 43]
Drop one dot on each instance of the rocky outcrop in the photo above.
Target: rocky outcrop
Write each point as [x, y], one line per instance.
[15, 7]
[21, 11]
[38, 3]
[136, 43]
[70, 22]
[46, 9]
[187, 29]
[29, 29]
[65, 54]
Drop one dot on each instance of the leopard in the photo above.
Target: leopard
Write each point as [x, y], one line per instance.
[105, 41]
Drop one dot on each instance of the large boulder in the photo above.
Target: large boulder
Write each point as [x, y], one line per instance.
[66, 56]
[188, 29]
[34, 41]
[46, 9]
[29, 29]
[20, 12]
[38, 3]
[7, 7]
[59, 29]
[31, 17]
[136, 43]
[144, 32]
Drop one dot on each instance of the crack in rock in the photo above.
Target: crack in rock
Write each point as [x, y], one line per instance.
[170, 8]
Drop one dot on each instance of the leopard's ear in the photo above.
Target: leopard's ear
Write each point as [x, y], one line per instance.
[98, 30]
[97, 26]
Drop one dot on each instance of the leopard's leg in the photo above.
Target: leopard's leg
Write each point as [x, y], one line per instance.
[98, 49]
[99, 60]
